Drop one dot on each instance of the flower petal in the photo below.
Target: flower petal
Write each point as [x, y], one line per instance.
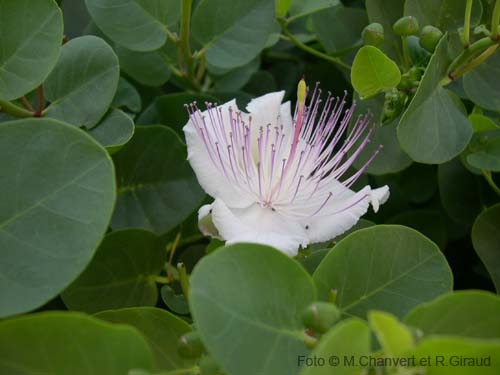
[342, 213]
[211, 177]
[257, 224]
[205, 222]
[266, 108]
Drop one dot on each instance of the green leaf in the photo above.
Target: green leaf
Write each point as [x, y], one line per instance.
[387, 267]
[31, 40]
[482, 123]
[394, 336]
[170, 110]
[157, 189]
[147, 68]
[447, 15]
[372, 72]
[485, 238]
[265, 336]
[459, 191]
[282, 7]
[138, 25]
[70, 343]
[121, 273]
[82, 85]
[115, 130]
[348, 339]
[161, 329]
[300, 8]
[445, 354]
[237, 78]
[233, 31]
[482, 84]
[58, 192]
[390, 158]
[488, 157]
[434, 128]
[127, 97]
[339, 28]
[386, 12]
[175, 302]
[462, 313]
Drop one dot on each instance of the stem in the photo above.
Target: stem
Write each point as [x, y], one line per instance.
[406, 55]
[183, 279]
[184, 35]
[463, 59]
[171, 256]
[468, 12]
[39, 107]
[495, 20]
[489, 178]
[162, 280]
[310, 50]
[477, 61]
[14, 110]
[27, 104]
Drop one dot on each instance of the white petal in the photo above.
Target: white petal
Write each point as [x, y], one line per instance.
[210, 177]
[266, 108]
[379, 196]
[257, 224]
[341, 214]
[286, 116]
[205, 223]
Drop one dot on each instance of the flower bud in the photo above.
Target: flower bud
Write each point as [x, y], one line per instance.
[430, 37]
[208, 366]
[190, 345]
[406, 26]
[320, 316]
[373, 34]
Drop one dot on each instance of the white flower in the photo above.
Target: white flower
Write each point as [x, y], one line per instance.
[279, 180]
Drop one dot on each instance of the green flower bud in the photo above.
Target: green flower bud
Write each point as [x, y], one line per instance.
[373, 34]
[208, 366]
[190, 345]
[406, 26]
[320, 316]
[430, 37]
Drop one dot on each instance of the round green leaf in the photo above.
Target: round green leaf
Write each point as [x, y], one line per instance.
[300, 8]
[264, 336]
[31, 34]
[482, 84]
[348, 339]
[115, 129]
[234, 31]
[82, 85]
[394, 337]
[434, 128]
[486, 240]
[138, 25]
[488, 157]
[170, 110]
[372, 72]
[121, 273]
[161, 329]
[147, 68]
[70, 343]
[339, 28]
[127, 97]
[387, 267]
[447, 15]
[443, 354]
[462, 313]
[459, 190]
[157, 189]
[58, 192]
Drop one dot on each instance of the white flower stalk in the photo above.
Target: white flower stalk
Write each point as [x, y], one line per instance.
[279, 180]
